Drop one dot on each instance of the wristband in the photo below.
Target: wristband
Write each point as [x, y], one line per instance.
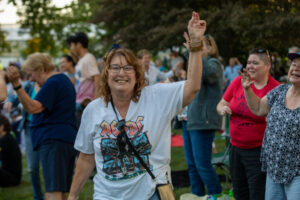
[18, 87]
[195, 46]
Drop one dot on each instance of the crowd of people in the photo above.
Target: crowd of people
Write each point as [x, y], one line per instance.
[117, 119]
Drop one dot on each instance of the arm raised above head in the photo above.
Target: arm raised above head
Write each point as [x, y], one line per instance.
[196, 30]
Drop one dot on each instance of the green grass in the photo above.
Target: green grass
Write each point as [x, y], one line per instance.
[24, 190]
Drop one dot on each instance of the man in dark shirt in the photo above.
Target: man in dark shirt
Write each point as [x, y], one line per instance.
[10, 156]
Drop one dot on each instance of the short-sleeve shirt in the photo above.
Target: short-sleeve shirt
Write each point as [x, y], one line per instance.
[57, 120]
[246, 129]
[86, 68]
[280, 153]
[231, 73]
[149, 130]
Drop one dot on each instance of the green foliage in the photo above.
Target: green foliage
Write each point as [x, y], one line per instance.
[237, 26]
[49, 25]
[4, 45]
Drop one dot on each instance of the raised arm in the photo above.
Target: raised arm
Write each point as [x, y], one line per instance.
[3, 91]
[30, 105]
[196, 29]
[258, 106]
[84, 167]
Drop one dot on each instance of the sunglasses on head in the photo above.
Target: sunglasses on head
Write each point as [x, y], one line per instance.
[263, 50]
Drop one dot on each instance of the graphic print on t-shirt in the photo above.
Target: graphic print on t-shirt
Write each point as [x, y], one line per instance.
[119, 164]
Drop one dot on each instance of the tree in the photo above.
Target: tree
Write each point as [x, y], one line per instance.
[4, 45]
[50, 25]
[236, 25]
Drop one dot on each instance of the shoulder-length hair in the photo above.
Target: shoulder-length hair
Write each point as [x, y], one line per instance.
[104, 90]
[37, 61]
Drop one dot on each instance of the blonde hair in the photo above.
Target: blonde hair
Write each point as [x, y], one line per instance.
[104, 90]
[210, 42]
[140, 54]
[38, 61]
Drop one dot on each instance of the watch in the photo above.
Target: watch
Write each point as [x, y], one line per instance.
[17, 87]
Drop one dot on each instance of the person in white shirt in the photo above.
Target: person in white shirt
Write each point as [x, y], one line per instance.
[125, 98]
[151, 72]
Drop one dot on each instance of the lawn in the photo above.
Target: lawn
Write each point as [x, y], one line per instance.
[24, 191]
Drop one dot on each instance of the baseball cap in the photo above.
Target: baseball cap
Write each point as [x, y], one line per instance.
[292, 56]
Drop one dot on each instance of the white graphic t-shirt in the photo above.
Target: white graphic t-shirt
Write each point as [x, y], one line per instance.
[119, 174]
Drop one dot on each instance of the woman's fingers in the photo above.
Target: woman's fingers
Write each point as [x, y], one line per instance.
[226, 111]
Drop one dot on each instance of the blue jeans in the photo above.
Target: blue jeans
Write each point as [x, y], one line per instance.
[279, 191]
[197, 148]
[33, 164]
[154, 196]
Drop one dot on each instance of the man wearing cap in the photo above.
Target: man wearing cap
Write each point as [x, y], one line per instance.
[86, 69]
[280, 154]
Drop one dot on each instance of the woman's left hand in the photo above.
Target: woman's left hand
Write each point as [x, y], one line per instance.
[246, 79]
[196, 27]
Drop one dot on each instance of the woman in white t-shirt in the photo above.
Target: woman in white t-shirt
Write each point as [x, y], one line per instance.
[146, 112]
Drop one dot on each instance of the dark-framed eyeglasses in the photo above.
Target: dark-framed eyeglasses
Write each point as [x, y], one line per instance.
[115, 68]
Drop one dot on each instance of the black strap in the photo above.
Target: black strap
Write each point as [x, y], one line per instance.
[131, 146]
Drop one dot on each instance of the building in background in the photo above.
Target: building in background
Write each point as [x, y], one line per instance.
[17, 38]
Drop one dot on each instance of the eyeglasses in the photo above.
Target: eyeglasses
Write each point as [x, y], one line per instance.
[117, 68]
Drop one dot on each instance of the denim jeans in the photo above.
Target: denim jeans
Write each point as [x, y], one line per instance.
[248, 180]
[279, 191]
[154, 196]
[197, 149]
[33, 164]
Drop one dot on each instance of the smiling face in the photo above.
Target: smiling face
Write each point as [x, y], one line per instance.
[294, 72]
[257, 68]
[121, 82]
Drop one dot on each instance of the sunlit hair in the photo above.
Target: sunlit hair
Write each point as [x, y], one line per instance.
[104, 90]
[140, 54]
[37, 61]
[210, 42]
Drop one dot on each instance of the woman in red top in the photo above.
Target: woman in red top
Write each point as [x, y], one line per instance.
[246, 129]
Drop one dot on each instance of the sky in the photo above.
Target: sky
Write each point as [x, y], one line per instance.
[9, 12]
